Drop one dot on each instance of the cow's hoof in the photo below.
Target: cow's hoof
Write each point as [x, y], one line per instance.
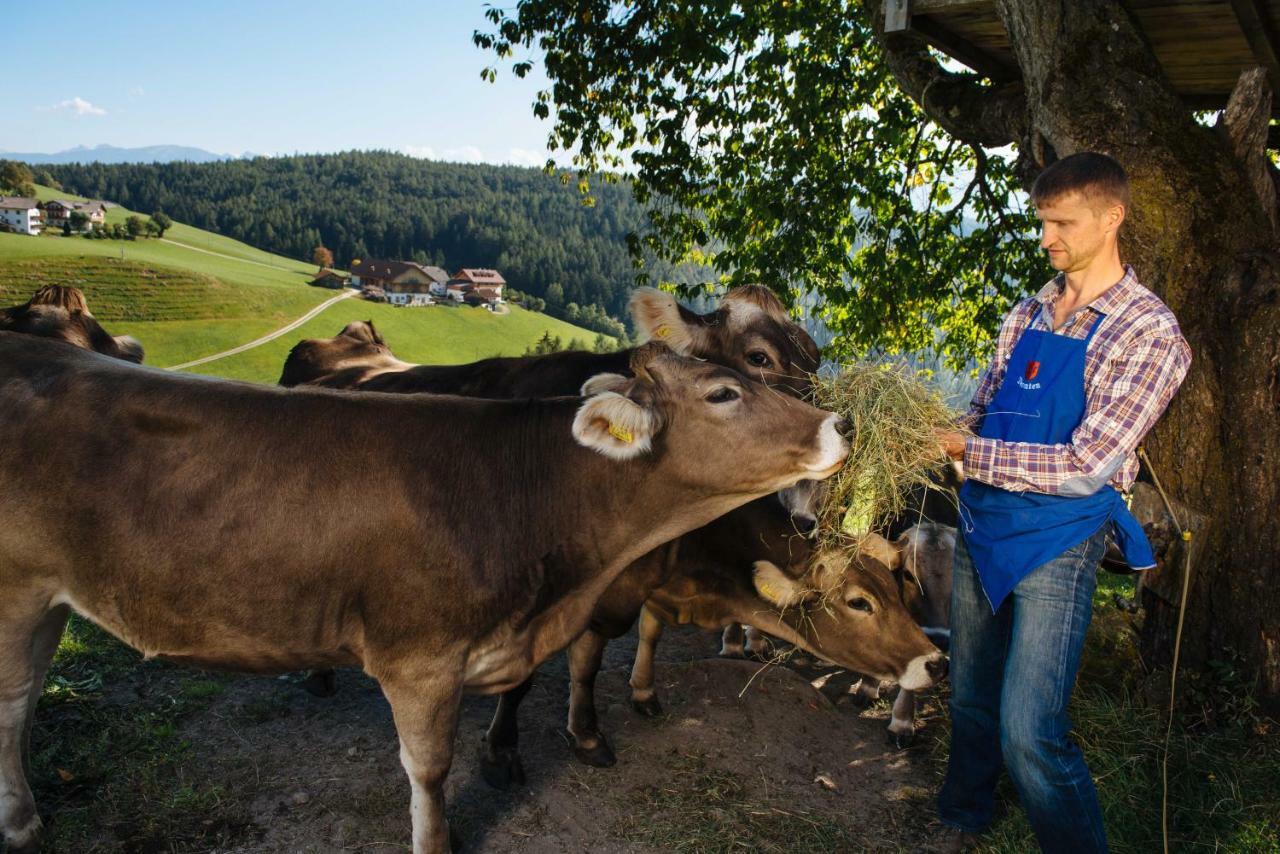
[501, 767]
[902, 740]
[26, 840]
[732, 650]
[649, 707]
[600, 756]
[320, 683]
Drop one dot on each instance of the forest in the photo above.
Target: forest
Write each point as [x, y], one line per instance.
[545, 237]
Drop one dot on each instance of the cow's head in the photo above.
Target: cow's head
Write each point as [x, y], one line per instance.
[922, 557]
[703, 421]
[358, 346]
[749, 331]
[845, 606]
[60, 312]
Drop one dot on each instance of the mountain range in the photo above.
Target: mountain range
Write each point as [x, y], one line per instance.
[113, 154]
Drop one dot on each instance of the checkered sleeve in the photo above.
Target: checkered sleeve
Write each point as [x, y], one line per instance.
[1124, 401]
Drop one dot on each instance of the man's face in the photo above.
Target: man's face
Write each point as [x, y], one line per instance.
[1076, 230]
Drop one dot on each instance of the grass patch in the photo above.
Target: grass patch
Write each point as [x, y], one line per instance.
[1224, 771]
[702, 809]
[107, 757]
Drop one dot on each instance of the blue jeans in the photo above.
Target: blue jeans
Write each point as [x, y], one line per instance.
[1011, 677]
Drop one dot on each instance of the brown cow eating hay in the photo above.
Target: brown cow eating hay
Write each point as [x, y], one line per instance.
[169, 515]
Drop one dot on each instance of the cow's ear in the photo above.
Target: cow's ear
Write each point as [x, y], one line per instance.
[878, 548]
[615, 426]
[604, 382]
[658, 317]
[775, 586]
[130, 349]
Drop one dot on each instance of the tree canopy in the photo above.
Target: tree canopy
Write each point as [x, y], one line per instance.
[777, 134]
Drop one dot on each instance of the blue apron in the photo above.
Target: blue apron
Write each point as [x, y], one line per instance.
[1008, 534]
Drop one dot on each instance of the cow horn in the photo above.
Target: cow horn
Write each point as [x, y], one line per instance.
[643, 355]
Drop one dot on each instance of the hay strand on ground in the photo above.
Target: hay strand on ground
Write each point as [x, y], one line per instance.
[893, 446]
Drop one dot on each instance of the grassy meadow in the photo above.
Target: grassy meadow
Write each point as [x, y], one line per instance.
[195, 293]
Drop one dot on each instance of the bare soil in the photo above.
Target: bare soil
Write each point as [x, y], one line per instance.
[731, 765]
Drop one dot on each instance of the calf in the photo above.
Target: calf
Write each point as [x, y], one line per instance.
[169, 515]
[61, 313]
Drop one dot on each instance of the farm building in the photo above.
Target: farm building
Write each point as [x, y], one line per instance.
[59, 211]
[20, 214]
[329, 279]
[403, 282]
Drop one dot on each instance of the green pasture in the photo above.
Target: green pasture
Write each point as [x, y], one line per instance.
[435, 335]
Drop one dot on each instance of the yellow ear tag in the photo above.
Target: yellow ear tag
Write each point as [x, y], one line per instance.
[622, 434]
[662, 332]
[767, 590]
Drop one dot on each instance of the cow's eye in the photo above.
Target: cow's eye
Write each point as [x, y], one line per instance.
[724, 394]
[759, 358]
[858, 603]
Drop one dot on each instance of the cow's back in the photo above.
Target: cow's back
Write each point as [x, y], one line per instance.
[550, 375]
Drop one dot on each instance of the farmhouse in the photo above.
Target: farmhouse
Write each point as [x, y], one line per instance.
[21, 215]
[402, 282]
[59, 211]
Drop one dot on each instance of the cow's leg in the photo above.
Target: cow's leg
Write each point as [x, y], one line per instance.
[21, 622]
[426, 716]
[642, 695]
[731, 645]
[902, 725]
[865, 691]
[757, 644]
[589, 745]
[500, 764]
[43, 646]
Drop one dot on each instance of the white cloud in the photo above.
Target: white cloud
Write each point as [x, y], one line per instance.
[78, 105]
[463, 154]
[525, 157]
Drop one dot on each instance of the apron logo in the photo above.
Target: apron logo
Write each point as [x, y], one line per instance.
[1033, 368]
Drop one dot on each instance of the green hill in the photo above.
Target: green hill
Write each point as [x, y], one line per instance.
[194, 294]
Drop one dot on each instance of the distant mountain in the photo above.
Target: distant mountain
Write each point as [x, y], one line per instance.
[112, 154]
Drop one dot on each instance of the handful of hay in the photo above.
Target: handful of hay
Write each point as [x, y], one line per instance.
[893, 445]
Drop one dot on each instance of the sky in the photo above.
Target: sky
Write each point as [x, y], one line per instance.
[267, 77]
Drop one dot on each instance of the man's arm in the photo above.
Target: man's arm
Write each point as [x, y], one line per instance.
[1127, 398]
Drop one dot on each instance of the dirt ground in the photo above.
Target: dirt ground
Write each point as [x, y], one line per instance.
[716, 772]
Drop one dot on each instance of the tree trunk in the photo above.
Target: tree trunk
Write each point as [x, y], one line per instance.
[1200, 236]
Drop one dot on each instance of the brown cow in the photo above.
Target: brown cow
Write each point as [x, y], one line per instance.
[750, 331]
[169, 516]
[842, 607]
[61, 313]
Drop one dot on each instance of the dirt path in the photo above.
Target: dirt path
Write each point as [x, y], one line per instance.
[219, 254]
[716, 772]
[268, 337]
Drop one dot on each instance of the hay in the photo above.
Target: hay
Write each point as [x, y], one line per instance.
[893, 445]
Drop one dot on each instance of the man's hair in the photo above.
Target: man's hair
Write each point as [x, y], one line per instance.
[1095, 176]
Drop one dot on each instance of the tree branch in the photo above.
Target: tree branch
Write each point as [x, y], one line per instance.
[977, 114]
[1246, 123]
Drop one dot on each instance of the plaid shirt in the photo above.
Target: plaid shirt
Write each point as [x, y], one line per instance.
[1134, 364]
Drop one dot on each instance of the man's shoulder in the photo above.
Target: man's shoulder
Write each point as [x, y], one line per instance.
[1148, 313]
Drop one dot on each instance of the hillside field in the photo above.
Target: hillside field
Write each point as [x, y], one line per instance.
[196, 293]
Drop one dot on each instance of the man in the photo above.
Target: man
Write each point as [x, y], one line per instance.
[1081, 372]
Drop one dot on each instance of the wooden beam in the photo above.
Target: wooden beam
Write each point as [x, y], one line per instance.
[925, 7]
[897, 16]
[954, 46]
[1255, 24]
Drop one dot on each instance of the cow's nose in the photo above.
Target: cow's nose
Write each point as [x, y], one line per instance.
[804, 524]
[936, 668]
[844, 427]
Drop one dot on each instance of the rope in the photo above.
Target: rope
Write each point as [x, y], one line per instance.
[1177, 647]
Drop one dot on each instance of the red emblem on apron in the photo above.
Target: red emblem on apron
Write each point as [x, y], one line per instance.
[1033, 368]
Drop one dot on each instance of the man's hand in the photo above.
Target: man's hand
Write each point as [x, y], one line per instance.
[951, 442]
